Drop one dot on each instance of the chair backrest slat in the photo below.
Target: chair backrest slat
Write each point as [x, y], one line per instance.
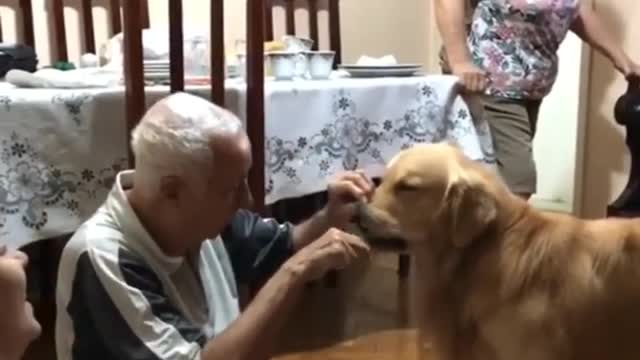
[176, 46]
[134, 62]
[334, 30]
[290, 17]
[144, 13]
[89, 33]
[114, 11]
[27, 22]
[268, 19]
[255, 100]
[313, 7]
[56, 10]
[60, 32]
[133, 68]
[217, 52]
[313, 23]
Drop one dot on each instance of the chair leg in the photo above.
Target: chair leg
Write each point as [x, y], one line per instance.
[404, 261]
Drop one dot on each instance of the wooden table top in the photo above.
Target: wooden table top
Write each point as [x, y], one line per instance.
[387, 345]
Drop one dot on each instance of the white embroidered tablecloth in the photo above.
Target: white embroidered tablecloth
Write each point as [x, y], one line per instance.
[315, 129]
[60, 149]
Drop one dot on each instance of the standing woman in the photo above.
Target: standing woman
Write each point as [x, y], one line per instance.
[18, 326]
[507, 49]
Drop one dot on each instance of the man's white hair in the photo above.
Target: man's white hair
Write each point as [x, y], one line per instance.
[175, 136]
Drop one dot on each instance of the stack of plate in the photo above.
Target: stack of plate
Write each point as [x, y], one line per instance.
[156, 70]
[381, 70]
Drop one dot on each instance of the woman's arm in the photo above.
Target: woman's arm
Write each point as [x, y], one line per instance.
[450, 18]
[589, 27]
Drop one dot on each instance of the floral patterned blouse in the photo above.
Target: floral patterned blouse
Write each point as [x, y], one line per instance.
[516, 42]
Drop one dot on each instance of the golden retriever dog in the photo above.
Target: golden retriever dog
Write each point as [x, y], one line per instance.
[498, 279]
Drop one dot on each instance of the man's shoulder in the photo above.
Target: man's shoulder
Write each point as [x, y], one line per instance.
[97, 231]
[99, 235]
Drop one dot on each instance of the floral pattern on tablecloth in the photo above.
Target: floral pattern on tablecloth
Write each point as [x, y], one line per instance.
[54, 168]
[30, 189]
[61, 149]
[351, 139]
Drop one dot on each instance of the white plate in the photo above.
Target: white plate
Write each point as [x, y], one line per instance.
[157, 76]
[379, 67]
[156, 62]
[386, 72]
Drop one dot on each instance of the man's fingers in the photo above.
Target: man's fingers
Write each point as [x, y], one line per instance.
[334, 256]
[367, 179]
[357, 244]
[3, 249]
[358, 179]
[22, 257]
[344, 248]
[348, 188]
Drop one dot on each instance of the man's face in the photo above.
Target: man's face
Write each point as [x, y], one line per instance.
[227, 189]
[18, 325]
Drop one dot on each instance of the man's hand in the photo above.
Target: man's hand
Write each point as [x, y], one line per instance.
[14, 255]
[473, 78]
[332, 251]
[344, 192]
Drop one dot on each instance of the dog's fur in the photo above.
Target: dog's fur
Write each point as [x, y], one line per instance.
[500, 280]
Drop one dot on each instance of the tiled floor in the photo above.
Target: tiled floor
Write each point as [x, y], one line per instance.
[324, 318]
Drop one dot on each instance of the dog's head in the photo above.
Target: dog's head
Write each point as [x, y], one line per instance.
[430, 195]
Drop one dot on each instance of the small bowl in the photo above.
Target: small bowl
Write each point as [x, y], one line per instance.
[282, 64]
[320, 63]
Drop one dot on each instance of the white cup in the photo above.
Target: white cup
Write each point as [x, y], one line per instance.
[320, 63]
[296, 43]
[282, 64]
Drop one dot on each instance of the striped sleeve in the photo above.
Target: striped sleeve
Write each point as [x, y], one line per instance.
[119, 310]
[257, 246]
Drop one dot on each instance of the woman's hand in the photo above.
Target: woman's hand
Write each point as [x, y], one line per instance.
[473, 78]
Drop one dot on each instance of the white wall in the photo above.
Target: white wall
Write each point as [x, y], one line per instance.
[558, 145]
[373, 27]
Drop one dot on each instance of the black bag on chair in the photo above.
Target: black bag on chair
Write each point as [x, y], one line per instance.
[17, 56]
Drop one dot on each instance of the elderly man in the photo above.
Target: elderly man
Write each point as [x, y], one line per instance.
[152, 275]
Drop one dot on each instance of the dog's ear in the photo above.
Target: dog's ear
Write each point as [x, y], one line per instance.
[471, 209]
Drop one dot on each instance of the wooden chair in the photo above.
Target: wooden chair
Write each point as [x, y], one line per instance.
[133, 57]
[134, 81]
[134, 78]
[56, 7]
[313, 7]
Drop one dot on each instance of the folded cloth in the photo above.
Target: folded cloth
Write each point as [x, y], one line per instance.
[365, 60]
[71, 79]
[155, 45]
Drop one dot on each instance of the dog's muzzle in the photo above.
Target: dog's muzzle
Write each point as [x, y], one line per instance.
[374, 230]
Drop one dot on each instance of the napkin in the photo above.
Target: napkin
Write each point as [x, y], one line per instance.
[71, 79]
[382, 61]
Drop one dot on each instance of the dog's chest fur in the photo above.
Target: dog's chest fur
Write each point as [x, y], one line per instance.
[490, 326]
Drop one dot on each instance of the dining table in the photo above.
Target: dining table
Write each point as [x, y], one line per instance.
[395, 344]
[60, 149]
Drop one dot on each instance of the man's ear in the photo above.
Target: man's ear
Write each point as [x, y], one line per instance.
[471, 210]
